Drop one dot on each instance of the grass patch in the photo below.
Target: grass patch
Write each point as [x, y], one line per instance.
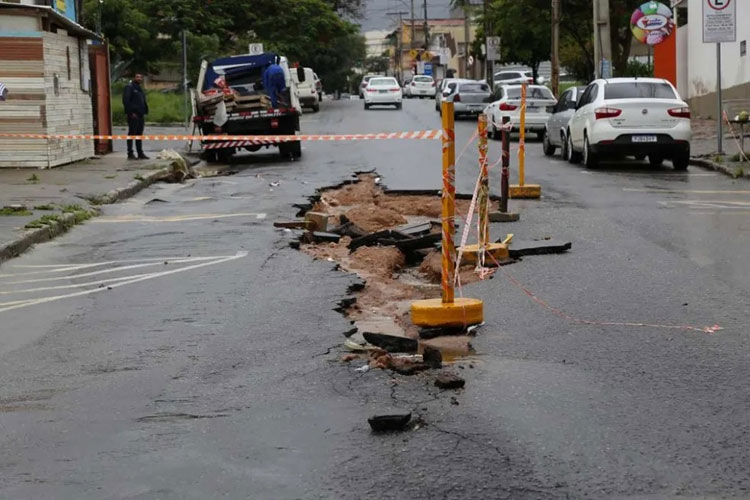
[110, 177]
[10, 212]
[718, 159]
[34, 179]
[44, 220]
[739, 172]
[163, 108]
[138, 177]
[79, 215]
[44, 207]
[71, 208]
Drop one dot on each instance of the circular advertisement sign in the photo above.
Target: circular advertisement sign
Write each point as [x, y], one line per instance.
[652, 23]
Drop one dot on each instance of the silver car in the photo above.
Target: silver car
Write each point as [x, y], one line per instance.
[554, 133]
[469, 97]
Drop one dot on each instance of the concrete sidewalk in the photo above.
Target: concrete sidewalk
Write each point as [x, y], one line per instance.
[67, 195]
[703, 148]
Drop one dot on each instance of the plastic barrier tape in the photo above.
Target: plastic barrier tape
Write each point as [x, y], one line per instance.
[244, 139]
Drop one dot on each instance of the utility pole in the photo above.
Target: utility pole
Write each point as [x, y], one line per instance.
[399, 48]
[185, 78]
[412, 24]
[426, 28]
[555, 47]
[602, 38]
[467, 41]
[489, 70]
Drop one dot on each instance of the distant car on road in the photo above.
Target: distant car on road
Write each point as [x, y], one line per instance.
[420, 86]
[630, 116]
[383, 90]
[557, 126]
[506, 101]
[469, 97]
[510, 77]
[365, 80]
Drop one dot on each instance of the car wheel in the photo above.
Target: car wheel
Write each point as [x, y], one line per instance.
[589, 158]
[655, 160]
[548, 148]
[639, 157]
[681, 160]
[573, 156]
[316, 108]
[398, 106]
[540, 135]
[367, 106]
[564, 142]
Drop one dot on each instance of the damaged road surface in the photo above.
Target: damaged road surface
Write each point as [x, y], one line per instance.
[181, 349]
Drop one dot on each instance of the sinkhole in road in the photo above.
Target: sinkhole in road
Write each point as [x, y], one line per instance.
[391, 241]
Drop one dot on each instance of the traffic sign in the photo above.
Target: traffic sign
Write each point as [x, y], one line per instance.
[719, 21]
[413, 53]
[428, 69]
[255, 49]
[493, 48]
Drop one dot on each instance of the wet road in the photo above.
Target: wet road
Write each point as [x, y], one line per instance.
[175, 347]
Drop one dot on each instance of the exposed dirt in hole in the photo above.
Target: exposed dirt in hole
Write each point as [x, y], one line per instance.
[391, 284]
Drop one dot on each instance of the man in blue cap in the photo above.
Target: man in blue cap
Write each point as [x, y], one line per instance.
[274, 82]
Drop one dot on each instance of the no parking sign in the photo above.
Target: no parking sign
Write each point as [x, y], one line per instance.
[719, 21]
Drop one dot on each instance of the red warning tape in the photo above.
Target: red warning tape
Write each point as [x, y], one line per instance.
[251, 139]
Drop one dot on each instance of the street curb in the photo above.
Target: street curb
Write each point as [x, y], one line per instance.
[710, 165]
[68, 221]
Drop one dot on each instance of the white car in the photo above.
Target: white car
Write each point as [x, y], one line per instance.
[469, 97]
[510, 77]
[630, 116]
[420, 86]
[557, 126]
[506, 101]
[383, 90]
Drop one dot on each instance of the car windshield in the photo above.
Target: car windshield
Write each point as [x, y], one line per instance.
[475, 87]
[423, 79]
[383, 82]
[638, 90]
[531, 93]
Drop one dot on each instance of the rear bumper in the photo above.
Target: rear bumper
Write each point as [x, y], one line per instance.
[473, 108]
[308, 100]
[416, 91]
[383, 98]
[623, 144]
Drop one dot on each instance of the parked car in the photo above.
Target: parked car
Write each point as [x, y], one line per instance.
[554, 132]
[510, 77]
[307, 90]
[420, 86]
[630, 116]
[365, 80]
[469, 97]
[506, 101]
[383, 90]
[318, 85]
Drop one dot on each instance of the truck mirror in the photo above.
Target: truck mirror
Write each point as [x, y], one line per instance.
[300, 74]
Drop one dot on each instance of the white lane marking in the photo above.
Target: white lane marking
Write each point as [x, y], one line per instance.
[685, 191]
[82, 293]
[718, 204]
[177, 218]
[111, 270]
[74, 285]
[57, 268]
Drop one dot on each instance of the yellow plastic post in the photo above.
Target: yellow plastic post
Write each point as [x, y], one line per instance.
[522, 190]
[449, 202]
[448, 311]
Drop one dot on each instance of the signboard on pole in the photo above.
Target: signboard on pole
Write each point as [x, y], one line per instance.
[493, 48]
[255, 49]
[719, 21]
[428, 69]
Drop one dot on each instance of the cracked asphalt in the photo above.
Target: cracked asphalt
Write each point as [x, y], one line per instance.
[177, 348]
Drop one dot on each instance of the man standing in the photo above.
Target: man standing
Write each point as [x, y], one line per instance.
[274, 82]
[136, 109]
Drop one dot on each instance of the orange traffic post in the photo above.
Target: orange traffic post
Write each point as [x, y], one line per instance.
[523, 190]
[448, 311]
[476, 254]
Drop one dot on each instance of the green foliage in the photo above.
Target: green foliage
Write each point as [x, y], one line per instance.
[10, 211]
[33, 179]
[162, 108]
[45, 220]
[377, 64]
[639, 69]
[44, 207]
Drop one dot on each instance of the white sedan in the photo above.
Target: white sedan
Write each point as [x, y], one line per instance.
[630, 116]
[420, 86]
[506, 101]
[383, 91]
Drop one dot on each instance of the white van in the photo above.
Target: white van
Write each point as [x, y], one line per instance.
[304, 79]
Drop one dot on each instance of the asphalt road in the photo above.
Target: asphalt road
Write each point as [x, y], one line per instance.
[176, 348]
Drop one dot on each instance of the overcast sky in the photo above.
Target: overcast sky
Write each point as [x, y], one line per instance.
[376, 18]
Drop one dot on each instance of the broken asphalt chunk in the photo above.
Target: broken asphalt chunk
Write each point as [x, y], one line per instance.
[412, 244]
[449, 380]
[391, 343]
[521, 248]
[393, 422]
[375, 238]
[320, 237]
[432, 357]
[295, 224]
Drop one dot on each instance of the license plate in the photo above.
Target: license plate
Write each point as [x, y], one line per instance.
[644, 138]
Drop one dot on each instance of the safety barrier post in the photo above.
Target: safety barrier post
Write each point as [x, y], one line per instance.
[522, 190]
[475, 254]
[448, 311]
[503, 215]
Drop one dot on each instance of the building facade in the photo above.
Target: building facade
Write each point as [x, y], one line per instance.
[44, 63]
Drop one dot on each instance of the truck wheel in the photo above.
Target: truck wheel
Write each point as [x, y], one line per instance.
[316, 108]
[209, 156]
[224, 155]
[295, 148]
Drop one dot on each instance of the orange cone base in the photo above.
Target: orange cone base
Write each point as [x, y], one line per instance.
[433, 313]
[498, 250]
[527, 192]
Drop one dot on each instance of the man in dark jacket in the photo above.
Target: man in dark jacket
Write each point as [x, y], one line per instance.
[136, 109]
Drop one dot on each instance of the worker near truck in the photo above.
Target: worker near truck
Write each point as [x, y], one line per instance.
[136, 109]
[274, 82]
